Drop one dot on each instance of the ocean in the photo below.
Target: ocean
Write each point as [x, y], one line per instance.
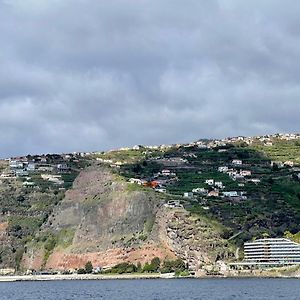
[238, 289]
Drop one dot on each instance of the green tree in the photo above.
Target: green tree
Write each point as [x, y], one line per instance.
[148, 268]
[89, 267]
[155, 262]
[177, 265]
[139, 267]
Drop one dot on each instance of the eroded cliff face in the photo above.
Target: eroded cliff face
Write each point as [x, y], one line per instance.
[195, 239]
[104, 212]
[107, 220]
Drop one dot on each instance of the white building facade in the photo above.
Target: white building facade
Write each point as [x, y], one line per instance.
[272, 251]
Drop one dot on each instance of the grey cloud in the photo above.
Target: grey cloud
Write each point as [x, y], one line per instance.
[93, 75]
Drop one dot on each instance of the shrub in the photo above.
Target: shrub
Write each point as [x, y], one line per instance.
[176, 266]
[153, 266]
[123, 268]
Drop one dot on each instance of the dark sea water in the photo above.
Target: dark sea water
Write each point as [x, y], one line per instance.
[153, 289]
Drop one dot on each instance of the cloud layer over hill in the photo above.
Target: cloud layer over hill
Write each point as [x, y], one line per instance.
[91, 75]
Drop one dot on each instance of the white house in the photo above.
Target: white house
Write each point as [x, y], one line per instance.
[160, 190]
[28, 183]
[173, 204]
[62, 167]
[245, 173]
[136, 180]
[231, 172]
[188, 195]
[209, 181]
[136, 147]
[15, 164]
[237, 162]
[223, 169]
[230, 194]
[21, 172]
[238, 177]
[31, 167]
[199, 190]
[166, 172]
[288, 163]
[255, 180]
[45, 169]
[219, 184]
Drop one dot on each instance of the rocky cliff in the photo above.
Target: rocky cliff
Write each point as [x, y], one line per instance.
[107, 220]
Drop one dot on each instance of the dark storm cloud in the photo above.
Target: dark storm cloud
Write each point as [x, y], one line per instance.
[89, 75]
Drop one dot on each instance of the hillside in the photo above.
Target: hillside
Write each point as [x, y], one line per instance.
[243, 185]
[104, 220]
[198, 202]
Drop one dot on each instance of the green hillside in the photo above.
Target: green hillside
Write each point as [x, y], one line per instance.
[270, 206]
[248, 186]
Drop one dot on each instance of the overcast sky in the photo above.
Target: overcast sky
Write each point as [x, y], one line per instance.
[83, 75]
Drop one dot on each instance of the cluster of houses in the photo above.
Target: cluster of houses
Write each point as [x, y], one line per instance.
[25, 167]
[240, 175]
[281, 164]
[236, 170]
[266, 140]
[159, 180]
[216, 188]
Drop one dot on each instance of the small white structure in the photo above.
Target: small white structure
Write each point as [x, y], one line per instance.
[188, 195]
[288, 163]
[136, 181]
[199, 190]
[136, 147]
[223, 169]
[160, 190]
[237, 162]
[15, 164]
[45, 169]
[21, 172]
[219, 184]
[56, 179]
[173, 204]
[238, 177]
[31, 167]
[209, 181]
[28, 183]
[230, 194]
[245, 173]
[232, 172]
[255, 180]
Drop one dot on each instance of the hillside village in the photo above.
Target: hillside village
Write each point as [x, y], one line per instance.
[53, 169]
[236, 169]
[227, 178]
[248, 185]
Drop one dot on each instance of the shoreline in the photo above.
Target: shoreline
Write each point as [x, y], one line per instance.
[15, 278]
[19, 278]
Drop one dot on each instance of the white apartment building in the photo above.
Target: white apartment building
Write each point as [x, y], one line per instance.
[272, 251]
